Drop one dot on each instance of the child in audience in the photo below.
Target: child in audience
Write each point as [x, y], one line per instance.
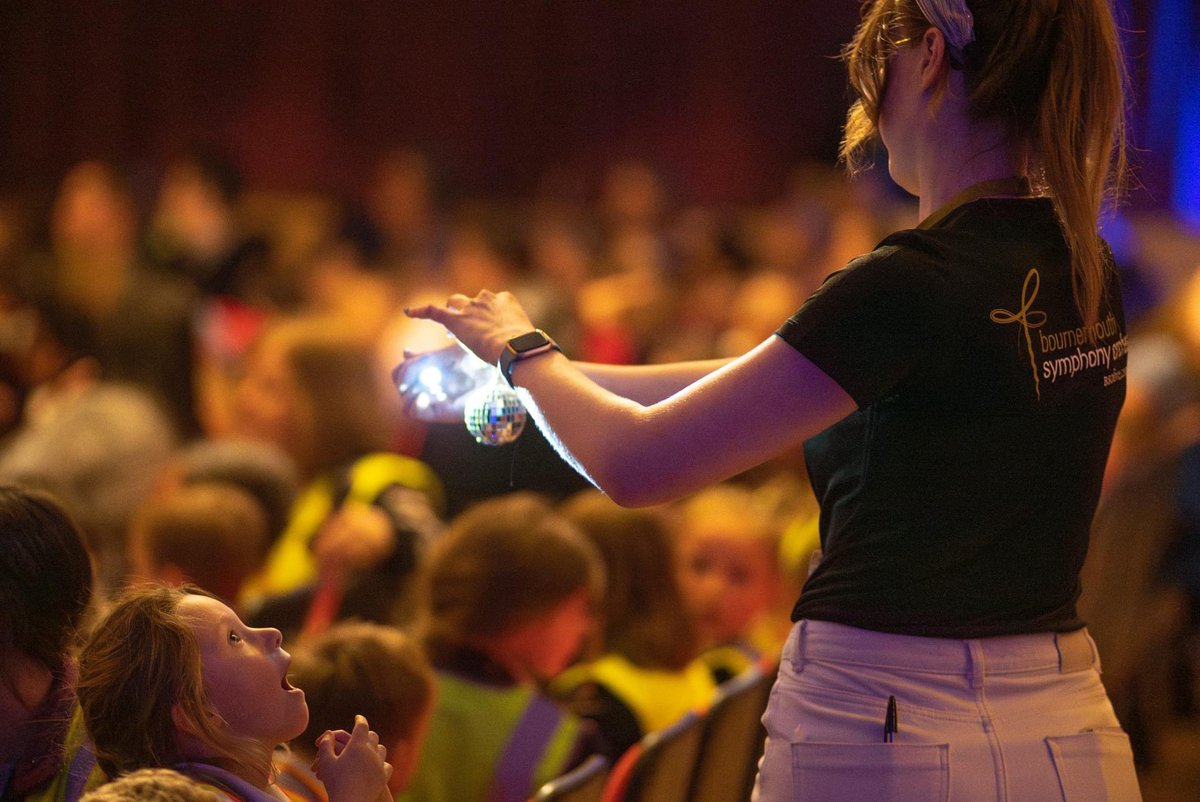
[260, 468]
[729, 573]
[45, 592]
[509, 598]
[647, 677]
[359, 668]
[360, 524]
[152, 785]
[172, 678]
[212, 535]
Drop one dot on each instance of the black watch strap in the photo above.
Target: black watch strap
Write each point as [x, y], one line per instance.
[524, 346]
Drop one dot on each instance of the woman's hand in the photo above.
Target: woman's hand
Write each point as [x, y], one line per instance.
[484, 324]
[435, 384]
[353, 765]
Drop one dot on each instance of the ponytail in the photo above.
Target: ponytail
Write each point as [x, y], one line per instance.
[1052, 71]
[1080, 139]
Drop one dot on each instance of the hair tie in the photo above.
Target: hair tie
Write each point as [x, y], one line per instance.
[954, 20]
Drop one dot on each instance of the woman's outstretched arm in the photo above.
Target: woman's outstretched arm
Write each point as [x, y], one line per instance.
[732, 419]
[645, 384]
[758, 406]
[649, 384]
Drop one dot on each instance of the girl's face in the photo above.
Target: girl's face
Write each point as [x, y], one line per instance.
[728, 581]
[245, 673]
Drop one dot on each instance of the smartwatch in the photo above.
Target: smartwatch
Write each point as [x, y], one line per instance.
[522, 347]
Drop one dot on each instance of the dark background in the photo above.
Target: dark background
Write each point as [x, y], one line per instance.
[722, 96]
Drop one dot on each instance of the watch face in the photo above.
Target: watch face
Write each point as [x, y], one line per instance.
[528, 342]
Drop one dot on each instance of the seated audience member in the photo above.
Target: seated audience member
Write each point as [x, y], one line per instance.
[358, 668]
[509, 595]
[100, 453]
[172, 678]
[730, 577]
[647, 676]
[261, 469]
[152, 785]
[137, 322]
[362, 519]
[195, 232]
[45, 591]
[211, 535]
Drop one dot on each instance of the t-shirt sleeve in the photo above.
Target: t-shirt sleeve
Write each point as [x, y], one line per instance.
[874, 325]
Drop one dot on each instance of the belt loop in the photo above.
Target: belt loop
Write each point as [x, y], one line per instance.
[1076, 651]
[976, 663]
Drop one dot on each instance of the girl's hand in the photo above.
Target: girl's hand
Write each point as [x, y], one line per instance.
[353, 765]
[484, 324]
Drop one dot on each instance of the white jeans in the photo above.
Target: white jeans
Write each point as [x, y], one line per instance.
[1022, 718]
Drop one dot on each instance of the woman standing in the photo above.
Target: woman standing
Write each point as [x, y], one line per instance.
[956, 390]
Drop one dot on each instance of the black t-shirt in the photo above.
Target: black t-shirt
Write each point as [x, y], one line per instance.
[957, 500]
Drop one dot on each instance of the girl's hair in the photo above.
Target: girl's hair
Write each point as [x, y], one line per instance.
[1052, 73]
[362, 668]
[500, 564]
[140, 668]
[645, 619]
[45, 577]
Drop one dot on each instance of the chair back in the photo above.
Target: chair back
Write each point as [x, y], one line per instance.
[584, 783]
[659, 768]
[732, 740]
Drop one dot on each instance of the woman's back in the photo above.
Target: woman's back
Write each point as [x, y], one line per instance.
[963, 348]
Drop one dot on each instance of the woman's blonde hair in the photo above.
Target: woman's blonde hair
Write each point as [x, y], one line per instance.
[139, 671]
[1052, 73]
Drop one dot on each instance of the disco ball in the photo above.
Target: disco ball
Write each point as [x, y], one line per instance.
[495, 415]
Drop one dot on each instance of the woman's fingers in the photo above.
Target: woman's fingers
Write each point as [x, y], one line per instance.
[481, 324]
[438, 314]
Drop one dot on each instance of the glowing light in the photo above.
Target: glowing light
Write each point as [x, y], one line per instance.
[430, 376]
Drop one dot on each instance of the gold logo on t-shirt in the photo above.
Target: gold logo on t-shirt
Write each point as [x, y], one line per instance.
[1028, 318]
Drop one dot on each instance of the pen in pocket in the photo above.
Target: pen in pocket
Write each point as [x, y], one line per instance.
[891, 723]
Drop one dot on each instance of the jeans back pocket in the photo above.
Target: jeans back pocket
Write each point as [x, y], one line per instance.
[1095, 766]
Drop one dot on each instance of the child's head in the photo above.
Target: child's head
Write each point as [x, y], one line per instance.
[212, 535]
[359, 668]
[260, 468]
[45, 580]
[315, 390]
[515, 580]
[728, 562]
[173, 675]
[645, 619]
[151, 785]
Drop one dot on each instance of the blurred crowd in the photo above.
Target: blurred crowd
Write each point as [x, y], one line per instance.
[199, 372]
